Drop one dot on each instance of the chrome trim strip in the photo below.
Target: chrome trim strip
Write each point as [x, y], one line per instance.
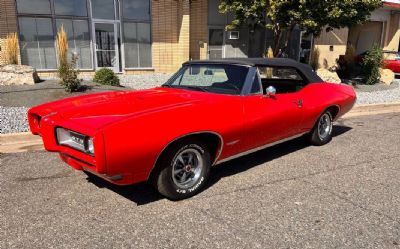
[259, 148]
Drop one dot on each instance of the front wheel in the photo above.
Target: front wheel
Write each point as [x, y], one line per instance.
[183, 170]
[321, 134]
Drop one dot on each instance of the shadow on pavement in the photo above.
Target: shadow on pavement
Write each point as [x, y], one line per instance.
[143, 193]
[247, 162]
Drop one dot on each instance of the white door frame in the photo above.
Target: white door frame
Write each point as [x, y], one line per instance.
[116, 67]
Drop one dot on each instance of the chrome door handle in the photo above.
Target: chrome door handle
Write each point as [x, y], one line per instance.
[299, 102]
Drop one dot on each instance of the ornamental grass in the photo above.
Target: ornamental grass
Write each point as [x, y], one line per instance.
[62, 46]
[11, 48]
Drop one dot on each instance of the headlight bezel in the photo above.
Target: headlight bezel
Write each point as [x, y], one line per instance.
[75, 140]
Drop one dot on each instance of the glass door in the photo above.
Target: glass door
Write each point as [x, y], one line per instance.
[215, 43]
[106, 45]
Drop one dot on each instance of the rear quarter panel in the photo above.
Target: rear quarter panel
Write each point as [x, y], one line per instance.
[318, 97]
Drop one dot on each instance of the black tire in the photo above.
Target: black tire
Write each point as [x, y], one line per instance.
[170, 186]
[318, 137]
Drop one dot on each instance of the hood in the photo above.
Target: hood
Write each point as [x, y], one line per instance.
[101, 109]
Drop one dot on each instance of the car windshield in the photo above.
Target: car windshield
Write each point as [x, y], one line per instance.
[223, 79]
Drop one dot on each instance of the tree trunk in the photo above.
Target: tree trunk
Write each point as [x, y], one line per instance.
[277, 38]
[289, 35]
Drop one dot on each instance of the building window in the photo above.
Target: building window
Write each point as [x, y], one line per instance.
[70, 7]
[39, 21]
[103, 9]
[136, 9]
[78, 40]
[41, 7]
[37, 42]
[137, 33]
[234, 35]
[137, 45]
[38, 24]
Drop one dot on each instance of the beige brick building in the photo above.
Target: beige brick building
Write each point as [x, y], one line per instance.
[146, 36]
[8, 23]
[129, 36]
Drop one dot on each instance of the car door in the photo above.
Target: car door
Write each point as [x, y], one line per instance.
[271, 118]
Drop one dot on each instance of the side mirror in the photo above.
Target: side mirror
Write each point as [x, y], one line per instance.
[270, 91]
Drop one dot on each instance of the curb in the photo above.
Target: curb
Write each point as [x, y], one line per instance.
[25, 141]
[373, 109]
[20, 142]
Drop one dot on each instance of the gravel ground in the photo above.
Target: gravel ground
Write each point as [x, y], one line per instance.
[144, 81]
[378, 96]
[13, 118]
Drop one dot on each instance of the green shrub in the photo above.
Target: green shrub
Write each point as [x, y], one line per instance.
[106, 76]
[69, 75]
[371, 64]
[66, 70]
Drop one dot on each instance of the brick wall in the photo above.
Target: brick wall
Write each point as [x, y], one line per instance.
[8, 23]
[170, 34]
[198, 29]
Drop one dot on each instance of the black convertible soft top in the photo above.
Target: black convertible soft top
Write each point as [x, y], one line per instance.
[305, 69]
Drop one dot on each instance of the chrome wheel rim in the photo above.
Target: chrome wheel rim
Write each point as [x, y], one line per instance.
[187, 168]
[325, 126]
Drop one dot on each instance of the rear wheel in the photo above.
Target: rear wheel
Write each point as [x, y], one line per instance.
[321, 134]
[183, 170]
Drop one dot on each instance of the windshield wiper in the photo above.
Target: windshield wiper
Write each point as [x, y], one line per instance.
[196, 88]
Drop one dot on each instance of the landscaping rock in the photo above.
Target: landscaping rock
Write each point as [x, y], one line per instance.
[387, 76]
[329, 76]
[18, 75]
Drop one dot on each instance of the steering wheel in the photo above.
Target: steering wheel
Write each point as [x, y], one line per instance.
[232, 85]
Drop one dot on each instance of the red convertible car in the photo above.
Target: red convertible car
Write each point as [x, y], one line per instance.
[391, 60]
[207, 113]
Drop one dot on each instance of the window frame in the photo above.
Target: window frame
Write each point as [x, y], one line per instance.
[51, 10]
[136, 21]
[298, 72]
[37, 41]
[260, 91]
[53, 4]
[53, 18]
[89, 18]
[72, 19]
[304, 79]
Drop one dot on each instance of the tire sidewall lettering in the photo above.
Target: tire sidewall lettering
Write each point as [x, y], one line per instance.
[200, 181]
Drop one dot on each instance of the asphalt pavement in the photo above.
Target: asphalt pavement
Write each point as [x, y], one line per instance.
[342, 195]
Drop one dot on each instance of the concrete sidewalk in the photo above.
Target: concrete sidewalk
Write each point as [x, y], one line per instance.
[23, 142]
[20, 142]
